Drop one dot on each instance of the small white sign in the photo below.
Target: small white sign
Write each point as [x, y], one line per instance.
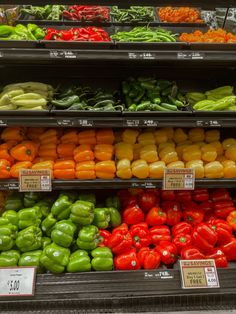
[17, 281]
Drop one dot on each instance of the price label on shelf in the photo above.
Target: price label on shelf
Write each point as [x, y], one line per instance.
[198, 274]
[65, 122]
[142, 55]
[131, 123]
[191, 55]
[62, 54]
[85, 122]
[179, 179]
[18, 281]
[211, 123]
[149, 122]
[33, 180]
[158, 274]
[3, 122]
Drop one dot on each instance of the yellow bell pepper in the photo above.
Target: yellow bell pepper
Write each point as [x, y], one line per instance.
[191, 152]
[124, 169]
[124, 151]
[212, 136]
[214, 170]
[221, 158]
[209, 153]
[146, 138]
[149, 153]
[219, 147]
[169, 132]
[136, 151]
[129, 136]
[230, 152]
[200, 144]
[197, 165]
[176, 164]
[156, 169]
[228, 142]
[167, 144]
[196, 135]
[180, 149]
[140, 169]
[180, 135]
[160, 136]
[229, 169]
[168, 155]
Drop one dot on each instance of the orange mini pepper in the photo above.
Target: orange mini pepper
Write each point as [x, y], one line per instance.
[83, 153]
[15, 169]
[25, 151]
[5, 167]
[105, 136]
[65, 150]
[103, 152]
[13, 134]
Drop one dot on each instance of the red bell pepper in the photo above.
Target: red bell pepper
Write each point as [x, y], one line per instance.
[168, 252]
[140, 235]
[209, 216]
[120, 241]
[191, 253]
[200, 195]
[183, 196]
[147, 200]
[149, 259]
[133, 215]
[223, 230]
[223, 208]
[204, 238]
[126, 198]
[123, 227]
[159, 233]
[167, 195]
[156, 217]
[181, 227]
[231, 219]
[182, 240]
[106, 236]
[192, 214]
[219, 257]
[229, 250]
[220, 195]
[206, 206]
[173, 212]
[127, 261]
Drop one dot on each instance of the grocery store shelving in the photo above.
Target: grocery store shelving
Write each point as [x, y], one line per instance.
[123, 3]
[12, 184]
[124, 291]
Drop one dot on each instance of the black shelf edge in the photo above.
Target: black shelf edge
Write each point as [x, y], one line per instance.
[137, 119]
[119, 184]
[117, 290]
[122, 3]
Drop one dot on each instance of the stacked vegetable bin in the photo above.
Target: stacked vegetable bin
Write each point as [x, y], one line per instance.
[122, 246]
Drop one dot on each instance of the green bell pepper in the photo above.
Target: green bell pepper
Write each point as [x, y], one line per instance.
[7, 235]
[63, 233]
[29, 239]
[113, 201]
[79, 261]
[88, 197]
[9, 258]
[82, 213]
[44, 207]
[29, 217]
[11, 216]
[101, 218]
[47, 224]
[61, 207]
[14, 202]
[39, 34]
[73, 196]
[31, 198]
[115, 217]
[88, 238]
[102, 259]
[55, 258]
[31, 259]
[46, 241]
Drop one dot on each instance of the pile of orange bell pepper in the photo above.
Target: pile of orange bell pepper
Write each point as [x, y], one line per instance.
[105, 154]
[211, 36]
[180, 15]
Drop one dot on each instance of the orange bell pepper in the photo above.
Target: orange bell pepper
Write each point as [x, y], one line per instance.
[83, 153]
[41, 159]
[65, 150]
[4, 152]
[65, 174]
[48, 137]
[13, 134]
[105, 136]
[15, 169]
[85, 170]
[5, 167]
[44, 165]
[34, 133]
[105, 169]
[64, 164]
[87, 137]
[25, 151]
[70, 136]
[103, 152]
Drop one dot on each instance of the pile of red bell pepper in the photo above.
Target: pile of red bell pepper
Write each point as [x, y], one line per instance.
[87, 13]
[90, 33]
[161, 226]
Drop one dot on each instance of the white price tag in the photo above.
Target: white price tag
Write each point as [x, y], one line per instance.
[35, 180]
[18, 281]
[179, 179]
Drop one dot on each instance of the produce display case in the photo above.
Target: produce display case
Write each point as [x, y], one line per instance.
[193, 65]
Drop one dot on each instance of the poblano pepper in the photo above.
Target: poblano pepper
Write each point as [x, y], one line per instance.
[82, 213]
[88, 197]
[29, 239]
[11, 216]
[47, 224]
[14, 202]
[55, 258]
[115, 217]
[102, 259]
[61, 207]
[113, 201]
[29, 217]
[63, 233]
[7, 234]
[31, 198]
[79, 261]
[101, 218]
[88, 238]
[9, 258]
[31, 259]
